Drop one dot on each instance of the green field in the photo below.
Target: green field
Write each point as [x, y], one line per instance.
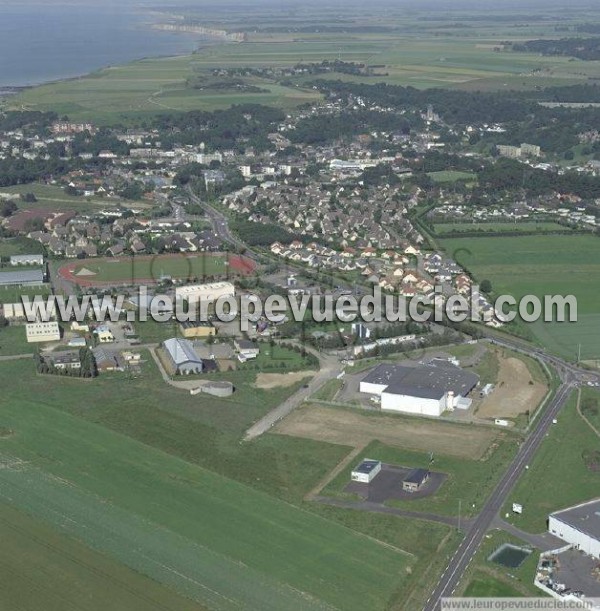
[54, 197]
[498, 227]
[542, 265]
[40, 564]
[189, 267]
[422, 53]
[560, 459]
[483, 586]
[210, 538]
[205, 433]
[451, 176]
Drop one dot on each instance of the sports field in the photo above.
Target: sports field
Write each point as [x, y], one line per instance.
[150, 269]
[212, 539]
[542, 265]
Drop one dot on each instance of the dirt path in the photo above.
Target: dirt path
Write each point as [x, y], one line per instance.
[314, 492]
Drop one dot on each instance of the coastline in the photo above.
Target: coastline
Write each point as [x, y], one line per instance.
[10, 90]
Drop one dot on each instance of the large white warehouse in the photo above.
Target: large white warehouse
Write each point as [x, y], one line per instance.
[428, 390]
[579, 526]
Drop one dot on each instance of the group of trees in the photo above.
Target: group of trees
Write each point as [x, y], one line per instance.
[587, 49]
[88, 367]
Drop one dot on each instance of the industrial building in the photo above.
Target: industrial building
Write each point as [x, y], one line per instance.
[579, 526]
[427, 390]
[16, 260]
[366, 471]
[182, 356]
[25, 277]
[199, 329]
[205, 292]
[42, 332]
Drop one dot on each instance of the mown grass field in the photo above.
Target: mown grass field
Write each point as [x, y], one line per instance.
[210, 538]
[39, 563]
[451, 176]
[558, 476]
[542, 265]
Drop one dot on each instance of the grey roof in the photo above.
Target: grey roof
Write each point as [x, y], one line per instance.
[585, 518]
[417, 476]
[25, 258]
[26, 276]
[181, 351]
[425, 381]
[366, 466]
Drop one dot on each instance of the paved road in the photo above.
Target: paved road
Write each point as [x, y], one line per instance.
[220, 223]
[329, 368]
[482, 523]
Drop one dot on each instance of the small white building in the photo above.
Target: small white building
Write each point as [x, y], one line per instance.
[42, 332]
[579, 526]
[366, 471]
[27, 260]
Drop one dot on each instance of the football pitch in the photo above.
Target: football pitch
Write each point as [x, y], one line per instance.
[542, 265]
[213, 540]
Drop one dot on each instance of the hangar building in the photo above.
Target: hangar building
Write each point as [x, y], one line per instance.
[579, 526]
[427, 390]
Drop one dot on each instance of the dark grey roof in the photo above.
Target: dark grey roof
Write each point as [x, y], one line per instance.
[417, 476]
[585, 518]
[22, 277]
[366, 466]
[425, 381]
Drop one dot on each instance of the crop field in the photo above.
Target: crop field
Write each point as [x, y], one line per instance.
[498, 227]
[41, 564]
[149, 269]
[542, 265]
[561, 458]
[213, 540]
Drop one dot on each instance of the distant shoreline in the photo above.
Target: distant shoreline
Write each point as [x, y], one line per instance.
[12, 90]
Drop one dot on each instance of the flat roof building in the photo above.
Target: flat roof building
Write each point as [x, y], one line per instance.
[578, 525]
[197, 329]
[25, 277]
[425, 389]
[42, 332]
[205, 292]
[26, 260]
[366, 471]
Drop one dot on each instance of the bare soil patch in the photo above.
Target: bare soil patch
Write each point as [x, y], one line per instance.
[356, 428]
[515, 393]
[266, 381]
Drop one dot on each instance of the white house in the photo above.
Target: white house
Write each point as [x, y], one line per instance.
[366, 471]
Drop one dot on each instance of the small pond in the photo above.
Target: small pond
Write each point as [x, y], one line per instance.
[509, 555]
